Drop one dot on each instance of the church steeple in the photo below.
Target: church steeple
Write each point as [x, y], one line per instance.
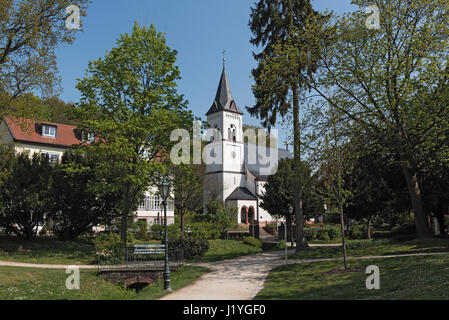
[224, 100]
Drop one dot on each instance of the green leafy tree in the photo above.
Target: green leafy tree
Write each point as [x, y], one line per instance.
[383, 79]
[289, 32]
[279, 191]
[75, 206]
[130, 101]
[24, 195]
[188, 189]
[30, 31]
[224, 217]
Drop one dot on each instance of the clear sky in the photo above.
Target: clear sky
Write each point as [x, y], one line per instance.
[198, 29]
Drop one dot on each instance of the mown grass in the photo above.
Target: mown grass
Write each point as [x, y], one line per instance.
[424, 277]
[52, 251]
[179, 279]
[226, 249]
[49, 284]
[358, 248]
[46, 251]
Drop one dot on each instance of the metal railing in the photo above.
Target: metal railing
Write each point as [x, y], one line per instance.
[139, 257]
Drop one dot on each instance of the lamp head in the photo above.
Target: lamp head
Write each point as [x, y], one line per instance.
[164, 189]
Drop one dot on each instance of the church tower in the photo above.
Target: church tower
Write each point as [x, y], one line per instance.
[225, 144]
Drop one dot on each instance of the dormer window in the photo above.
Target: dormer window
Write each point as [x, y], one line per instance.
[48, 131]
[88, 136]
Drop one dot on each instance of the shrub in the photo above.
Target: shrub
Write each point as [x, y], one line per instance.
[157, 231]
[358, 231]
[325, 236]
[142, 233]
[253, 242]
[204, 230]
[193, 248]
[281, 244]
[109, 248]
[334, 232]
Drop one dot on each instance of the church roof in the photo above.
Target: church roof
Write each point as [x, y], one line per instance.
[223, 99]
[255, 168]
[241, 194]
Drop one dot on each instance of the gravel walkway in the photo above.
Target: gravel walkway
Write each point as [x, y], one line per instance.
[242, 278]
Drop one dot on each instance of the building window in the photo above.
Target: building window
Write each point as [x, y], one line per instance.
[145, 204]
[88, 136]
[155, 203]
[53, 158]
[48, 131]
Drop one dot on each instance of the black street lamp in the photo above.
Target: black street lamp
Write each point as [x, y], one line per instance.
[290, 210]
[164, 191]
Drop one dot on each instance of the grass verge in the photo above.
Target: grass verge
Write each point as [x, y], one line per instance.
[49, 284]
[401, 278]
[46, 251]
[359, 248]
[226, 249]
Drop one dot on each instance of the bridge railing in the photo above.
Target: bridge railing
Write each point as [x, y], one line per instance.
[139, 257]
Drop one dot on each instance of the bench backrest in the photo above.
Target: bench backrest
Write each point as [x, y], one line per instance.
[149, 248]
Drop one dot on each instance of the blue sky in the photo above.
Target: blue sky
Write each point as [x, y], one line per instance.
[198, 29]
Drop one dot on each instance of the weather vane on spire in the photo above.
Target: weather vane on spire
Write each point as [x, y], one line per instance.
[224, 57]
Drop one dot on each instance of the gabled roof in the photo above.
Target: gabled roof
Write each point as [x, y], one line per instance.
[256, 168]
[241, 194]
[223, 99]
[27, 130]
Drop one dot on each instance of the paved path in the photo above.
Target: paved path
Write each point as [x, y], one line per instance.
[234, 279]
[243, 278]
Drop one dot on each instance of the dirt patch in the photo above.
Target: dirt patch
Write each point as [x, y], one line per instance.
[342, 270]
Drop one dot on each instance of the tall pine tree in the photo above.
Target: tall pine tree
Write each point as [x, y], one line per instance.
[290, 33]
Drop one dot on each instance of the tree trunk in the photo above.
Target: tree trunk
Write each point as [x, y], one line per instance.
[342, 226]
[368, 227]
[440, 216]
[181, 216]
[415, 196]
[300, 239]
[124, 226]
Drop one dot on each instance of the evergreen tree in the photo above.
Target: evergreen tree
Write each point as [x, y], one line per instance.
[290, 33]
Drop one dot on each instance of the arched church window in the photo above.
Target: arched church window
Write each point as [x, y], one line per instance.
[232, 133]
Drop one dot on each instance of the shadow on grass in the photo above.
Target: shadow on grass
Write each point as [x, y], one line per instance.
[46, 250]
[400, 278]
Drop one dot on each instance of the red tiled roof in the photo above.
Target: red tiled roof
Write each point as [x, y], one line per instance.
[27, 130]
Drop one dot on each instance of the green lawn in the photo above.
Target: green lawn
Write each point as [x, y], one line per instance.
[49, 284]
[358, 248]
[46, 250]
[52, 251]
[400, 278]
[226, 249]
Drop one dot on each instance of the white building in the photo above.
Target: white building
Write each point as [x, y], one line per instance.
[53, 139]
[238, 175]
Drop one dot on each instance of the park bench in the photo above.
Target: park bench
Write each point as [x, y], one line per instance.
[149, 249]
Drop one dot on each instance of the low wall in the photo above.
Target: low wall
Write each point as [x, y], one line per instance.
[130, 277]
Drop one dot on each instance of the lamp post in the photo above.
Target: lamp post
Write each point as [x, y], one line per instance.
[290, 210]
[164, 191]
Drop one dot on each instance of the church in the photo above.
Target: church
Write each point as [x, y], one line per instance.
[241, 167]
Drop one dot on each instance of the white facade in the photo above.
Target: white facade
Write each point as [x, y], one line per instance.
[151, 209]
[230, 178]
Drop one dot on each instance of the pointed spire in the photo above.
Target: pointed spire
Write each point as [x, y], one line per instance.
[224, 99]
